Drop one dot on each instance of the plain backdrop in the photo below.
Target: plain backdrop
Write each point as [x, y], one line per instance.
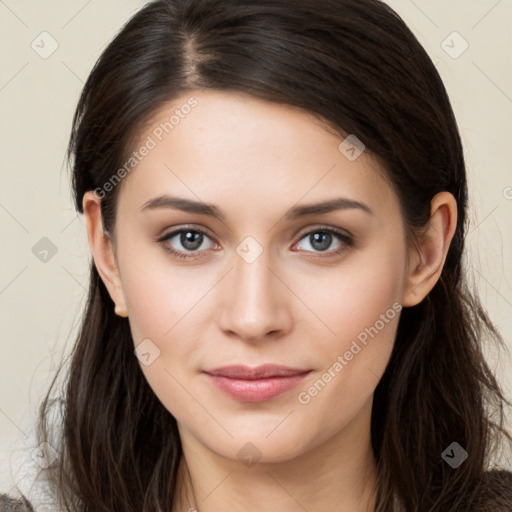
[41, 301]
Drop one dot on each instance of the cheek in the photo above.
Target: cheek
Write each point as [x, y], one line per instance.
[362, 307]
[161, 302]
[166, 304]
[352, 297]
[160, 294]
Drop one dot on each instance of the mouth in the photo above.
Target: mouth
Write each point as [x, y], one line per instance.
[255, 384]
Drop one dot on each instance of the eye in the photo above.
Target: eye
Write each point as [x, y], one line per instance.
[191, 240]
[321, 239]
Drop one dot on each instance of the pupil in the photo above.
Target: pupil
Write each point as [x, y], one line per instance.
[326, 241]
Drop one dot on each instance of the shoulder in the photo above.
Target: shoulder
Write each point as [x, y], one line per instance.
[498, 480]
[30, 481]
[8, 504]
[495, 492]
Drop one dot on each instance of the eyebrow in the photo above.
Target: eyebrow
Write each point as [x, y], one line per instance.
[200, 208]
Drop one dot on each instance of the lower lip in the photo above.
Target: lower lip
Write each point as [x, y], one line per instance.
[257, 390]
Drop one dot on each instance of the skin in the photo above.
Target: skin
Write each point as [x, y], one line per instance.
[294, 305]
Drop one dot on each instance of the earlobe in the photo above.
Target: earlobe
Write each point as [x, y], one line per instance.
[426, 259]
[102, 248]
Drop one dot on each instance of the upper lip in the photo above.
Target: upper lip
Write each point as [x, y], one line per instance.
[256, 372]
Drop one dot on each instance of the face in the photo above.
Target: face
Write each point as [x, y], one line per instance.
[263, 281]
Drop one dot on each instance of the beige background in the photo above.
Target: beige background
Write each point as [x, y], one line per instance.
[41, 303]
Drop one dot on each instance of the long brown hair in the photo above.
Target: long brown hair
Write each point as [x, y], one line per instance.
[356, 65]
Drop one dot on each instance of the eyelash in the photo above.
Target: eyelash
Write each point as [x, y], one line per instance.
[347, 241]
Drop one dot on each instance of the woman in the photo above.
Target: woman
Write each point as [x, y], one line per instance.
[278, 318]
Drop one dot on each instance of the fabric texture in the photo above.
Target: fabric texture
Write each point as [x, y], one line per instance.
[29, 462]
[8, 504]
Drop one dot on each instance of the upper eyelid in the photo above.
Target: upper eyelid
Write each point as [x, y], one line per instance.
[174, 231]
[332, 229]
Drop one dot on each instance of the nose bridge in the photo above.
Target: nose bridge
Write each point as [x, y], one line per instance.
[254, 305]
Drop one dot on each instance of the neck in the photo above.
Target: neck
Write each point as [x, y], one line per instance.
[339, 474]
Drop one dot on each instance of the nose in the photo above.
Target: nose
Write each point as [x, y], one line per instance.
[256, 303]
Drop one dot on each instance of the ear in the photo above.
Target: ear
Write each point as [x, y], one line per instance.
[103, 251]
[427, 257]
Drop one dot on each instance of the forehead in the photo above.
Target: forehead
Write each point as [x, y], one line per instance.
[217, 145]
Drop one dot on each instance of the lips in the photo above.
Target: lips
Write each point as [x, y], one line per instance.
[255, 384]
[259, 372]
